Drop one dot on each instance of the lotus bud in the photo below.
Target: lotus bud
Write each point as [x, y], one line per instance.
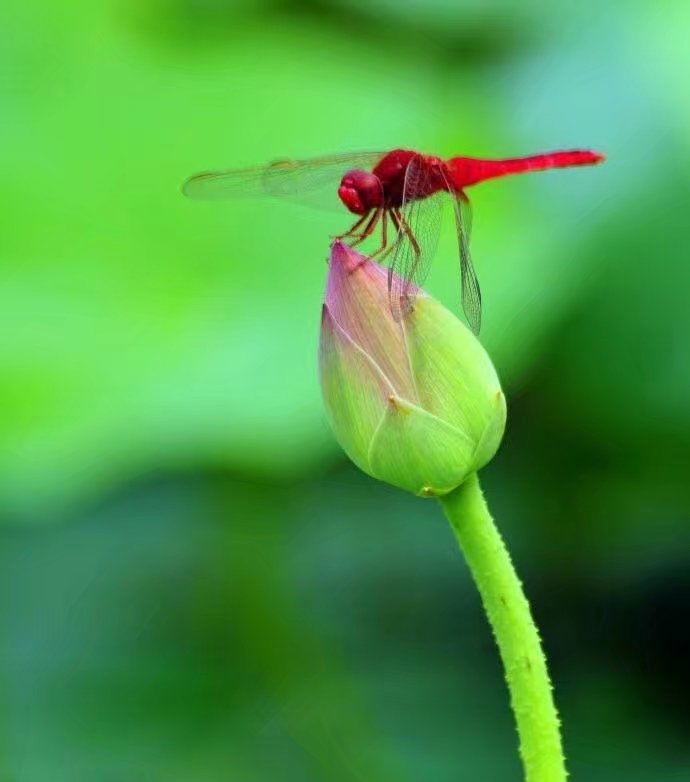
[413, 402]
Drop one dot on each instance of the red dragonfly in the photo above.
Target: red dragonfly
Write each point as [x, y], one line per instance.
[403, 188]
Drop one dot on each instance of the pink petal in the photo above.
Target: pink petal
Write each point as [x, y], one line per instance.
[357, 300]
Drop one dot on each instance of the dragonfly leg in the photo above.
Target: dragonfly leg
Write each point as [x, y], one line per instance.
[369, 227]
[410, 235]
[387, 249]
[384, 236]
[353, 229]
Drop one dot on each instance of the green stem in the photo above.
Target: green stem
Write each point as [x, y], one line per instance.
[514, 629]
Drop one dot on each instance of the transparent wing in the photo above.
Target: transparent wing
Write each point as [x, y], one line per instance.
[471, 295]
[313, 181]
[418, 222]
[466, 213]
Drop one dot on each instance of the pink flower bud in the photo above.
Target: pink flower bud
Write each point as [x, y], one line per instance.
[415, 403]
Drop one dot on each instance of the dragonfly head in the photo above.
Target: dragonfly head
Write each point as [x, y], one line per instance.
[360, 191]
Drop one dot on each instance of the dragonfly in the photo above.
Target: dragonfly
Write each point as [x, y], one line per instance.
[399, 194]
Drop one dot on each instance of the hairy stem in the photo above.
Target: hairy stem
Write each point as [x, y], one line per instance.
[514, 630]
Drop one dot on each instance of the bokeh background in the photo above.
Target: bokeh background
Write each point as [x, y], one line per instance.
[195, 585]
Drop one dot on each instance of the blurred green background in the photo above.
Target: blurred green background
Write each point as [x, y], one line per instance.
[195, 585]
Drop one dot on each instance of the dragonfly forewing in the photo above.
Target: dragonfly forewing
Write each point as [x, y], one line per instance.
[313, 181]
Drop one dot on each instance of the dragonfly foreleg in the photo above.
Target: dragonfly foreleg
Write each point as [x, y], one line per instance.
[353, 230]
[369, 227]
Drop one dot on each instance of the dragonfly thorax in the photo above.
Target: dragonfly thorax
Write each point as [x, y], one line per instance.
[360, 191]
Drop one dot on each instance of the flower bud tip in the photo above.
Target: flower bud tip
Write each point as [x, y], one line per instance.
[344, 255]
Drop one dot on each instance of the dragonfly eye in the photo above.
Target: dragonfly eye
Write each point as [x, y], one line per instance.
[350, 197]
[361, 191]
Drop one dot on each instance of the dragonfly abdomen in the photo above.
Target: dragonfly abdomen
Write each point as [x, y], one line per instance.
[466, 171]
